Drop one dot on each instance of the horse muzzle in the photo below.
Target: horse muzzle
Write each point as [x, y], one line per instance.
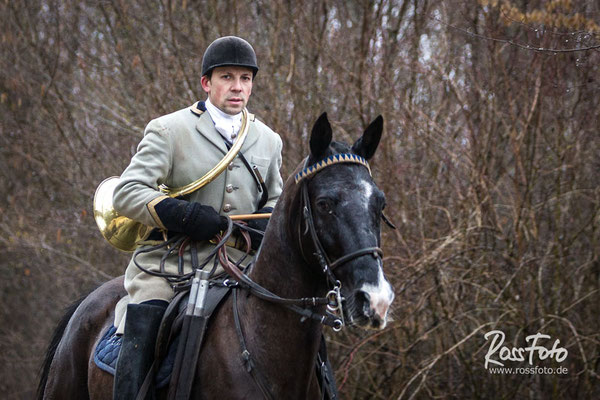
[368, 306]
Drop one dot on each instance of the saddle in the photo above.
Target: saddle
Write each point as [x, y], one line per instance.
[169, 337]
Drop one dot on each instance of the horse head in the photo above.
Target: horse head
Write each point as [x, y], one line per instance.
[345, 206]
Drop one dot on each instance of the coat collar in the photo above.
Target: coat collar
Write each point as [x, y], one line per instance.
[206, 127]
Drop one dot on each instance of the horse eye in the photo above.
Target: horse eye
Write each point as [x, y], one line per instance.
[324, 206]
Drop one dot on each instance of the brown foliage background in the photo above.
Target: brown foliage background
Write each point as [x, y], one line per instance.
[489, 161]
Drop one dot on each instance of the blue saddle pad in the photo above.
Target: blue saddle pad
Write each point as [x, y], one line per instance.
[107, 352]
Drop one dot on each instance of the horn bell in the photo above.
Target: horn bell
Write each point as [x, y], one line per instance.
[122, 232]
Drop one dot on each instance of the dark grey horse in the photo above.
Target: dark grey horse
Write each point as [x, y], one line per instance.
[345, 213]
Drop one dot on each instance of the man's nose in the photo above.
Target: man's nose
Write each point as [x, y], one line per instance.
[236, 85]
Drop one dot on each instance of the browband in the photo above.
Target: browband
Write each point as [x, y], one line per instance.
[330, 160]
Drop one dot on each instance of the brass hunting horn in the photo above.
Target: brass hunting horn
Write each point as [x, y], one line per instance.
[124, 233]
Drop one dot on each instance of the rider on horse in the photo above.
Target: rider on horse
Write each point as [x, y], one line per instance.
[176, 149]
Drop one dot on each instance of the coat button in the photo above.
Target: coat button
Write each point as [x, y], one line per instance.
[229, 188]
[230, 167]
[227, 207]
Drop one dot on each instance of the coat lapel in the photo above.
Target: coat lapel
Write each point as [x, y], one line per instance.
[206, 128]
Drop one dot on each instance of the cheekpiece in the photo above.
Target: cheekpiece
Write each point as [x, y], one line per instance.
[330, 160]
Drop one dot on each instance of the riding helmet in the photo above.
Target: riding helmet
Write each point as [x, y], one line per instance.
[229, 50]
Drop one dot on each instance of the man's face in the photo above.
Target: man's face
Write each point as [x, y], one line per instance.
[229, 88]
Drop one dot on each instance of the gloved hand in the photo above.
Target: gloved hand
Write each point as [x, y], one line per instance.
[195, 220]
[259, 224]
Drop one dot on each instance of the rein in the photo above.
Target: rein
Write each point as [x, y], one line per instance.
[303, 306]
[334, 298]
[299, 305]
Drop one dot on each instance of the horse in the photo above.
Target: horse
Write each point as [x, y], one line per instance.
[330, 209]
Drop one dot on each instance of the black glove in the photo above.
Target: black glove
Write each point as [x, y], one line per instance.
[195, 220]
[258, 224]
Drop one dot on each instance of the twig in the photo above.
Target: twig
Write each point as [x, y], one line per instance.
[513, 43]
[424, 371]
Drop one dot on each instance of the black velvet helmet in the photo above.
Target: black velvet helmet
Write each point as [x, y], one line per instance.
[229, 50]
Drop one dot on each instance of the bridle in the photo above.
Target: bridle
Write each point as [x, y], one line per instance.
[327, 266]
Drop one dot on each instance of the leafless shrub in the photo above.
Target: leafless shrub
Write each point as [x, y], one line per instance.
[489, 163]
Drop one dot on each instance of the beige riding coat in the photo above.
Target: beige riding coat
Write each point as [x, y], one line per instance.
[177, 149]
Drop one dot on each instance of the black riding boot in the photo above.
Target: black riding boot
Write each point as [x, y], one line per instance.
[137, 349]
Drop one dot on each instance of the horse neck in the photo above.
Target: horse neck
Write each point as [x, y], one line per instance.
[280, 266]
[291, 344]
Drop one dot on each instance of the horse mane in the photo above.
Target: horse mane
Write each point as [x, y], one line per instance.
[56, 337]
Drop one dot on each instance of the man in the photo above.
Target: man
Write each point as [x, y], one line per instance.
[177, 149]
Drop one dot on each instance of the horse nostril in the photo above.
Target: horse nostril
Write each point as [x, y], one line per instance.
[363, 300]
[376, 322]
[363, 296]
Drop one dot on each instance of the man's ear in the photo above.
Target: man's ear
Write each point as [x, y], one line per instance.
[320, 137]
[368, 142]
[205, 82]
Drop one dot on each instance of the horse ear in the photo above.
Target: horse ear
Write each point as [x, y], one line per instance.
[320, 137]
[368, 142]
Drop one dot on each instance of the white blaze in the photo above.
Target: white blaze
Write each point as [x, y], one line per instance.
[367, 191]
[381, 295]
